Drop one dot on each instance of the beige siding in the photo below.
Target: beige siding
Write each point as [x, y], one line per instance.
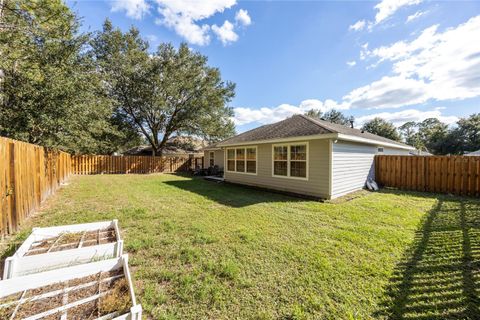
[352, 165]
[318, 172]
[218, 159]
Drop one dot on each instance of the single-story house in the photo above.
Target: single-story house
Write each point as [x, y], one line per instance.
[302, 155]
[473, 154]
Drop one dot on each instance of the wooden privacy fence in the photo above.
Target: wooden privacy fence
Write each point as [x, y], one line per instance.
[28, 175]
[443, 174]
[92, 164]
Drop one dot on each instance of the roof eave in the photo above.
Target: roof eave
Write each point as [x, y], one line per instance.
[280, 140]
[340, 136]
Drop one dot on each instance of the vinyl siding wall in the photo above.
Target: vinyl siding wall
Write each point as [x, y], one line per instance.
[318, 172]
[353, 164]
[218, 159]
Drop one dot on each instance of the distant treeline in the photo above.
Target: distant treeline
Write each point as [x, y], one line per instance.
[428, 135]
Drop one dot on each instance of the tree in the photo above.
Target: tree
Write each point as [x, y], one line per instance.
[433, 134]
[333, 116]
[314, 113]
[171, 91]
[409, 132]
[382, 128]
[48, 93]
[468, 133]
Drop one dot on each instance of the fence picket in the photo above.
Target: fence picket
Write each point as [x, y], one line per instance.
[443, 174]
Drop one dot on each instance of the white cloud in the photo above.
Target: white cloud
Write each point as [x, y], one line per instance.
[399, 118]
[445, 65]
[388, 92]
[357, 26]
[415, 16]
[225, 33]
[243, 18]
[267, 115]
[185, 17]
[351, 63]
[134, 9]
[386, 8]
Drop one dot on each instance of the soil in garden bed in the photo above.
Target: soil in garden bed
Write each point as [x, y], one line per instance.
[112, 287]
[72, 240]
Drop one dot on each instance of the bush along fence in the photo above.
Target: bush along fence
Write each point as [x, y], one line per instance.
[458, 175]
[28, 175]
[93, 164]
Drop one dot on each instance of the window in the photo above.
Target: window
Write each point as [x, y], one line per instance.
[290, 160]
[231, 160]
[251, 160]
[280, 160]
[212, 158]
[242, 160]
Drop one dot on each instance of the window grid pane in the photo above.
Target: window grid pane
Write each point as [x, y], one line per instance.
[251, 166]
[240, 166]
[251, 154]
[281, 153]
[298, 169]
[240, 154]
[231, 154]
[298, 152]
[280, 168]
[231, 165]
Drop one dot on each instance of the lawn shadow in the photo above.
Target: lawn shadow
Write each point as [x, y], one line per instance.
[231, 195]
[439, 275]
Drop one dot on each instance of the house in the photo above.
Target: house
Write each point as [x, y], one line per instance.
[302, 155]
[177, 146]
[473, 154]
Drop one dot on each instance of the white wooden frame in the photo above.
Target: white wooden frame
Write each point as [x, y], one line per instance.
[288, 145]
[32, 281]
[19, 264]
[245, 160]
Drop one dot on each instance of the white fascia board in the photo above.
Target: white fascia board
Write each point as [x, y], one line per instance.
[370, 141]
[281, 140]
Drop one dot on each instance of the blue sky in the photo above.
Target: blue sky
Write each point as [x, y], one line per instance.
[400, 59]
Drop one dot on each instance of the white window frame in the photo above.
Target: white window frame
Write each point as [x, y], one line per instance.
[245, 150]
[288, 145]
[210, 158]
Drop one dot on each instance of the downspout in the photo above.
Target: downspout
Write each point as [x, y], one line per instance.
[330, 168]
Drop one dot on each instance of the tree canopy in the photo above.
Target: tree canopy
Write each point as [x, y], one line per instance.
[49, 88]
[333, 116]
[382, 128]
[169, 91]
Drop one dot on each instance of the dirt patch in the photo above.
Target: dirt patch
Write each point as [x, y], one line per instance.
[111, 289]
[72, 240]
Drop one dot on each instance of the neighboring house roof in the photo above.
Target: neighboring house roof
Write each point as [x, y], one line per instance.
[473, 153]
[303, 126]
[175, 146]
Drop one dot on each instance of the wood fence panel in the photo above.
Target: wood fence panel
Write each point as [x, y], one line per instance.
[91, 164]
[442, 174]
[28, 175]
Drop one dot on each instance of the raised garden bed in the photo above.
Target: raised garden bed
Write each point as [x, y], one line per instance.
[58, 247]
[97, 290]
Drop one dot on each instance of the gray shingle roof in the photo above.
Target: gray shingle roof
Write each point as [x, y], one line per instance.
[300, 126]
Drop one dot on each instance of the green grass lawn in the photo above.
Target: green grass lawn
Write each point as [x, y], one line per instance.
[202, 250]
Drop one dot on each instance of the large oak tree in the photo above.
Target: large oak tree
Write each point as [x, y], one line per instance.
[172, 91]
